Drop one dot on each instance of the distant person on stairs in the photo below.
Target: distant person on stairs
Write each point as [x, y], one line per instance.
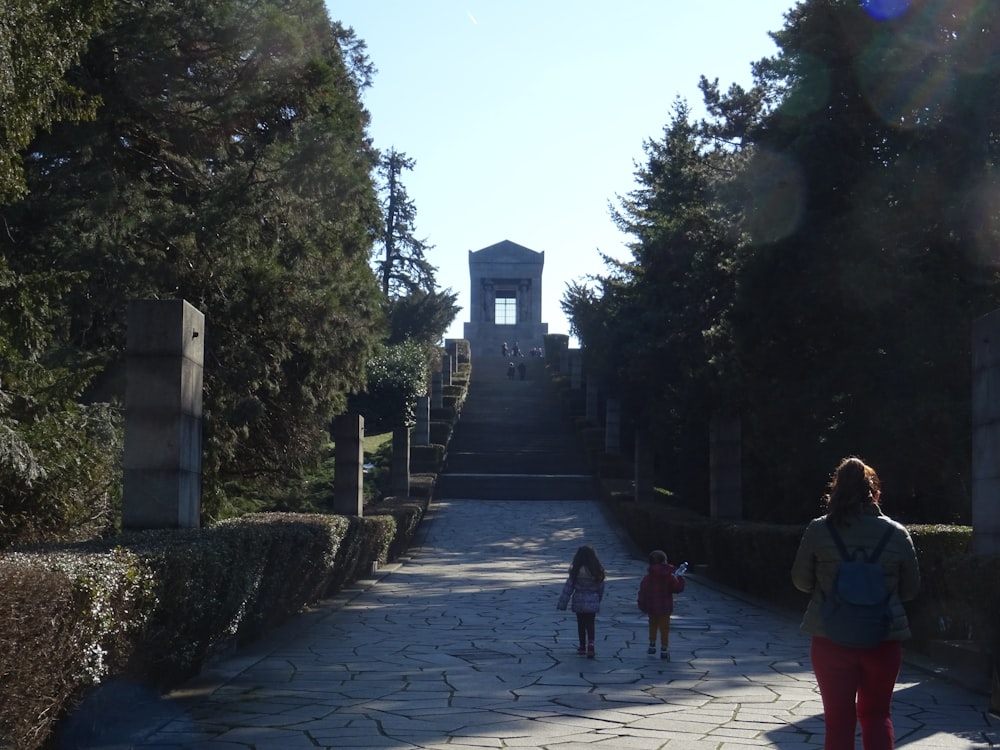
[511, 371]
[585, 588]
[522, 369]
[503, 350]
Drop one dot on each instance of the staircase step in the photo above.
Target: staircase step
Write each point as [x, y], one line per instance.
[555, 461]
[512, 441]
[515, 486]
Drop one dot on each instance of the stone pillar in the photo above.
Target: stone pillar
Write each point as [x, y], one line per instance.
[575, 370]
[590, 400]
[400, 470]
[489, 302]
[422, 432]
[644, 466]
[986, 435]
[446, 369]
[524, 302]
[613, 426]
[348, 465]
[437, 389]
[725, 466]
[163, 413]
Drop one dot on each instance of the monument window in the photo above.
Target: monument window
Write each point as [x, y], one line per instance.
[506, 309]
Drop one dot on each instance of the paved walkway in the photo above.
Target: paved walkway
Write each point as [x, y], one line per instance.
[461, 646]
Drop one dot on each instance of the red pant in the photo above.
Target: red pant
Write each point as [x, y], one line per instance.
[856, 685]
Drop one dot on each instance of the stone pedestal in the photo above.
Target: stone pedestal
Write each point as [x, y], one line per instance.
[163, 412]
[591, 400]
[725, 484]
[437, 390]
[613, 426]
[422, 431]
[644, 466]
[348, 465]
[446, 369]
[575, 369]
[986, 435]
[400, 462]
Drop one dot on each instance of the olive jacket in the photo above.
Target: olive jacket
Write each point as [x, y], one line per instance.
[816, 561]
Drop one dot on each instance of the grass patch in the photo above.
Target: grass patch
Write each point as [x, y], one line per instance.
[374, 442]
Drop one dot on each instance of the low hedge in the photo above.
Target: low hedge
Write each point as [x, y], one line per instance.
[441, 431]
[426, 459]
[69, 618]
[153, 607]
[959, 595]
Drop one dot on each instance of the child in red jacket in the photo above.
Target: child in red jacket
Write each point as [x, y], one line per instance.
[656, 599]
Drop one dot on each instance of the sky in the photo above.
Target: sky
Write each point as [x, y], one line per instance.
[527, 118]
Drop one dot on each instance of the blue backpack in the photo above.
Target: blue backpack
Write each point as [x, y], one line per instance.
[857, 613]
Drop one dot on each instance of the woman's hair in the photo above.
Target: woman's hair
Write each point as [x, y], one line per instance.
[585, 557]
[853, 485]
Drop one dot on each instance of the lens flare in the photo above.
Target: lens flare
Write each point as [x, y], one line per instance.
[883, 10]
[778, 196]
[905, 82]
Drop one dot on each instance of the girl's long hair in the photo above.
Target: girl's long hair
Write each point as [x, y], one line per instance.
[586, 557]
[853, 485]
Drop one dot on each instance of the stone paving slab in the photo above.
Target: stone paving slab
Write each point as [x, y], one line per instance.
[461, 647]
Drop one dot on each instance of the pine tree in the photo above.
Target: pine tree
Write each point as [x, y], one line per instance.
[403, 267]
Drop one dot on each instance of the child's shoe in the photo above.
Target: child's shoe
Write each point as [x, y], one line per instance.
[582, 650]
[591, 652]
[665, 655]
[652, 649]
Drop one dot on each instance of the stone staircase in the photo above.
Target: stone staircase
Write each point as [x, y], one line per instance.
[513, 440]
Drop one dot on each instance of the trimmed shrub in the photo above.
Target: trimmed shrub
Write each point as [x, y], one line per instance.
[426, 459]
[69, 620]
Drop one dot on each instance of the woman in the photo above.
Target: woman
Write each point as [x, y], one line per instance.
[856, 684]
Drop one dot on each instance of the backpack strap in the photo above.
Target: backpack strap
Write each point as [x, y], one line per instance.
[842, 548]
[881, 544]
[838, 541]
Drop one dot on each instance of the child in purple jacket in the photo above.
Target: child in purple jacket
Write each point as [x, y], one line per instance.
[585, 586]
[656, 599]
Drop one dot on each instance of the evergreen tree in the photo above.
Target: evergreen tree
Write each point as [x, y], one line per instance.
[422, 316]
[857, 315]
[813, 255]
[403, 267]
[228, 166]
[58, 459]
[647, 326]
[39, 41]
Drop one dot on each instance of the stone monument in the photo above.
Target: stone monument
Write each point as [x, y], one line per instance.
[505, 300]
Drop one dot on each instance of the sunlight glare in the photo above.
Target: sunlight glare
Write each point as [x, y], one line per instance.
[885, 9]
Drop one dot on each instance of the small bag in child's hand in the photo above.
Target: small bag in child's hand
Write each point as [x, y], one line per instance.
[857, 611]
